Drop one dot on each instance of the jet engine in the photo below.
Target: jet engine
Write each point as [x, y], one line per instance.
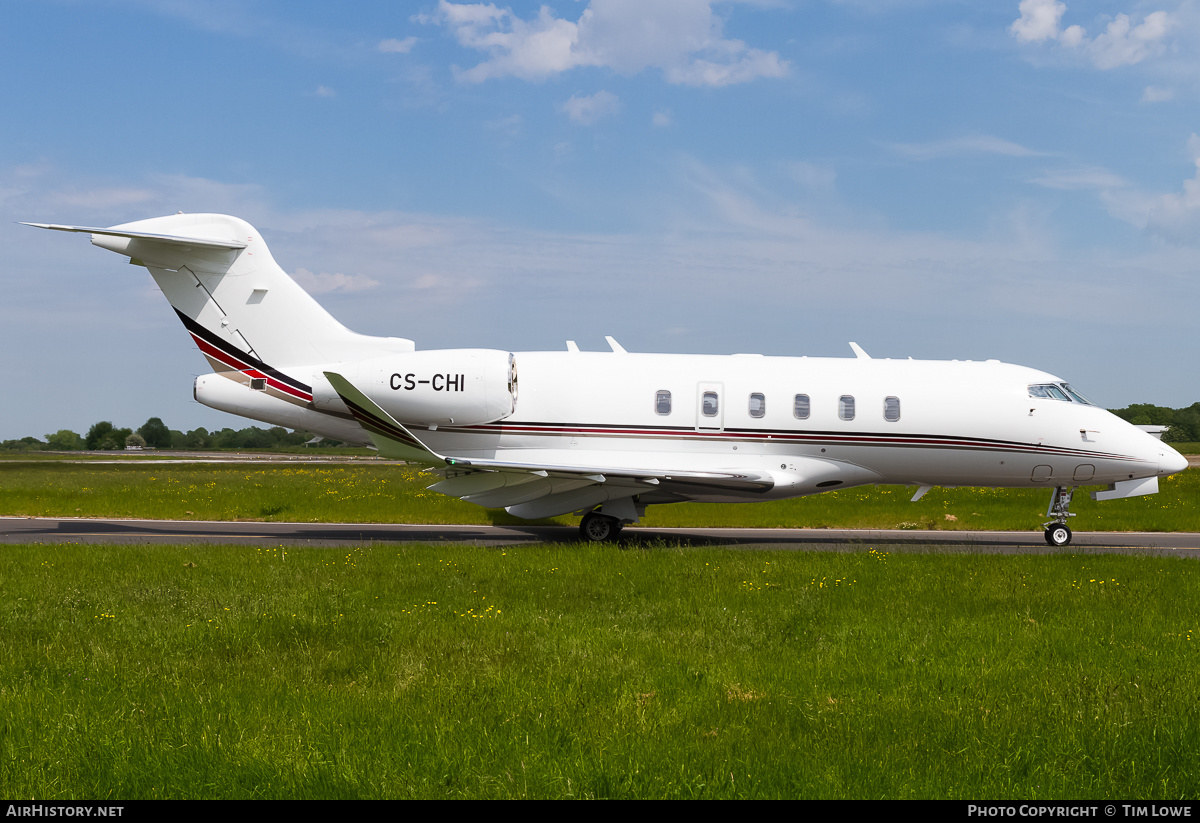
[439, 387]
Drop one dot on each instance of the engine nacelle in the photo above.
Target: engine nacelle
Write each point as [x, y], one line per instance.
[438, 387]
[218, 391]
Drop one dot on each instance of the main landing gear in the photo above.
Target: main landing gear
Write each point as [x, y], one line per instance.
[1057, 531]
[599, 528]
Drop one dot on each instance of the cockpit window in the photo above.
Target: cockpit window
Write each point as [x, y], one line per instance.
[1058, 391]
[1076, 396]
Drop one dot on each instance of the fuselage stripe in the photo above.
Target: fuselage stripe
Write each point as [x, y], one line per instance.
[786, 436]
[223, 352]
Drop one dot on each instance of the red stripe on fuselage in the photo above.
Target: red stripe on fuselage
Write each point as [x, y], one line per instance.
[236, 364]
[848, 439]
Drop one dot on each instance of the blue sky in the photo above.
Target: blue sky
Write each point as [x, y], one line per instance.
[971, 180]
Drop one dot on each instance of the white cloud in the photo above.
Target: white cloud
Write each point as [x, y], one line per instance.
[682, 38]
[1176, 217]
[588, 110]
[971, 144]
[812, 177]
[509, 126]
[325, 91]
[394, 46]
[1157, 94]
[1038, 21]
[1078, 179]
[1121, 44]
[1172, 216]
[100, 199]
[661, 119]
[324, 283]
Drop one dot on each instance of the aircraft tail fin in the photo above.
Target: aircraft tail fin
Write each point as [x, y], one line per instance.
[235, 300]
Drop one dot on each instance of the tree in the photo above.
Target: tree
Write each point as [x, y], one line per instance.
[64, 440]
[155, 433]
[25, 444]
[97, 433]
[198, 438]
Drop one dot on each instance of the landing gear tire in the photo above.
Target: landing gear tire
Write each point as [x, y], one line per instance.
[599, 528]
[1057, 531]
[1058, 535]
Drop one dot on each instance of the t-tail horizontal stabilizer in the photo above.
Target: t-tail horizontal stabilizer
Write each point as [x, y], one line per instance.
[116, 231]
[390, 437]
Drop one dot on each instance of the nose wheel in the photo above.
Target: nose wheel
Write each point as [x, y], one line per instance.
[1057, 531]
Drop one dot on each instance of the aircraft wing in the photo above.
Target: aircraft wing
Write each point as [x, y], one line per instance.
[528, 490]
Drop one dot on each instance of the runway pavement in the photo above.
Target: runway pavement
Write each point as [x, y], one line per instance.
[180, 532]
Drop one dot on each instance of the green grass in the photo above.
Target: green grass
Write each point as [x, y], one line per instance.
[382, 493]
[584, 671]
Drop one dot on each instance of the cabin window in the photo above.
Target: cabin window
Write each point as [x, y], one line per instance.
[846, 407]
[708, 404]
[758, 405]
[662, 402]
[800, 407]
[891, 409]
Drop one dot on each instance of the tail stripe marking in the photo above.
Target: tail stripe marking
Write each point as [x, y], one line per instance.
[224, 352]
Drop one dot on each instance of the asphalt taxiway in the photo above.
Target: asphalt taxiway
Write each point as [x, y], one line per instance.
[200, 533]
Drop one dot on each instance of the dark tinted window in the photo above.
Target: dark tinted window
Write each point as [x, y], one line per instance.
[758, 405]
[846, 407]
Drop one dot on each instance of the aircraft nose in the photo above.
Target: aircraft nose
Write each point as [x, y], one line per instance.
[1170, 461]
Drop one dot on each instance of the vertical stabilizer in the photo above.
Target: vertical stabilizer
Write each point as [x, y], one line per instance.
[239, 295]
[249, 318]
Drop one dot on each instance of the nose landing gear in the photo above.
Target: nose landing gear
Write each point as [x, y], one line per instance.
[1057, 531]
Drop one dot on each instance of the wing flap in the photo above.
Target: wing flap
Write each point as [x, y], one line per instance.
[565, 502]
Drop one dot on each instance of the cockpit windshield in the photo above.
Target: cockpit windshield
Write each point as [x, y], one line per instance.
[1058, 391]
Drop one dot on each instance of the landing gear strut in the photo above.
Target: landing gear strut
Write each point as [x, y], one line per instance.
[599, 528]
[1057, 531]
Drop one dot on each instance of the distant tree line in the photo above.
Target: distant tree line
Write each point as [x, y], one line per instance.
[154, 434]
[1184, 423]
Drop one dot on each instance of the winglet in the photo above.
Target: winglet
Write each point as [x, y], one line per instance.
[389, 436]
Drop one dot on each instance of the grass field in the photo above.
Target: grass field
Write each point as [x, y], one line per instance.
[382, 493]
[584, 671]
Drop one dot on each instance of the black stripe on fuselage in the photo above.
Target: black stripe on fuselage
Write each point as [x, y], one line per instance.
[233, 351]
[790, 436]
[384, 428]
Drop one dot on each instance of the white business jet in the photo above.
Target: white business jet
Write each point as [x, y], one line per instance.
[606, 434]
